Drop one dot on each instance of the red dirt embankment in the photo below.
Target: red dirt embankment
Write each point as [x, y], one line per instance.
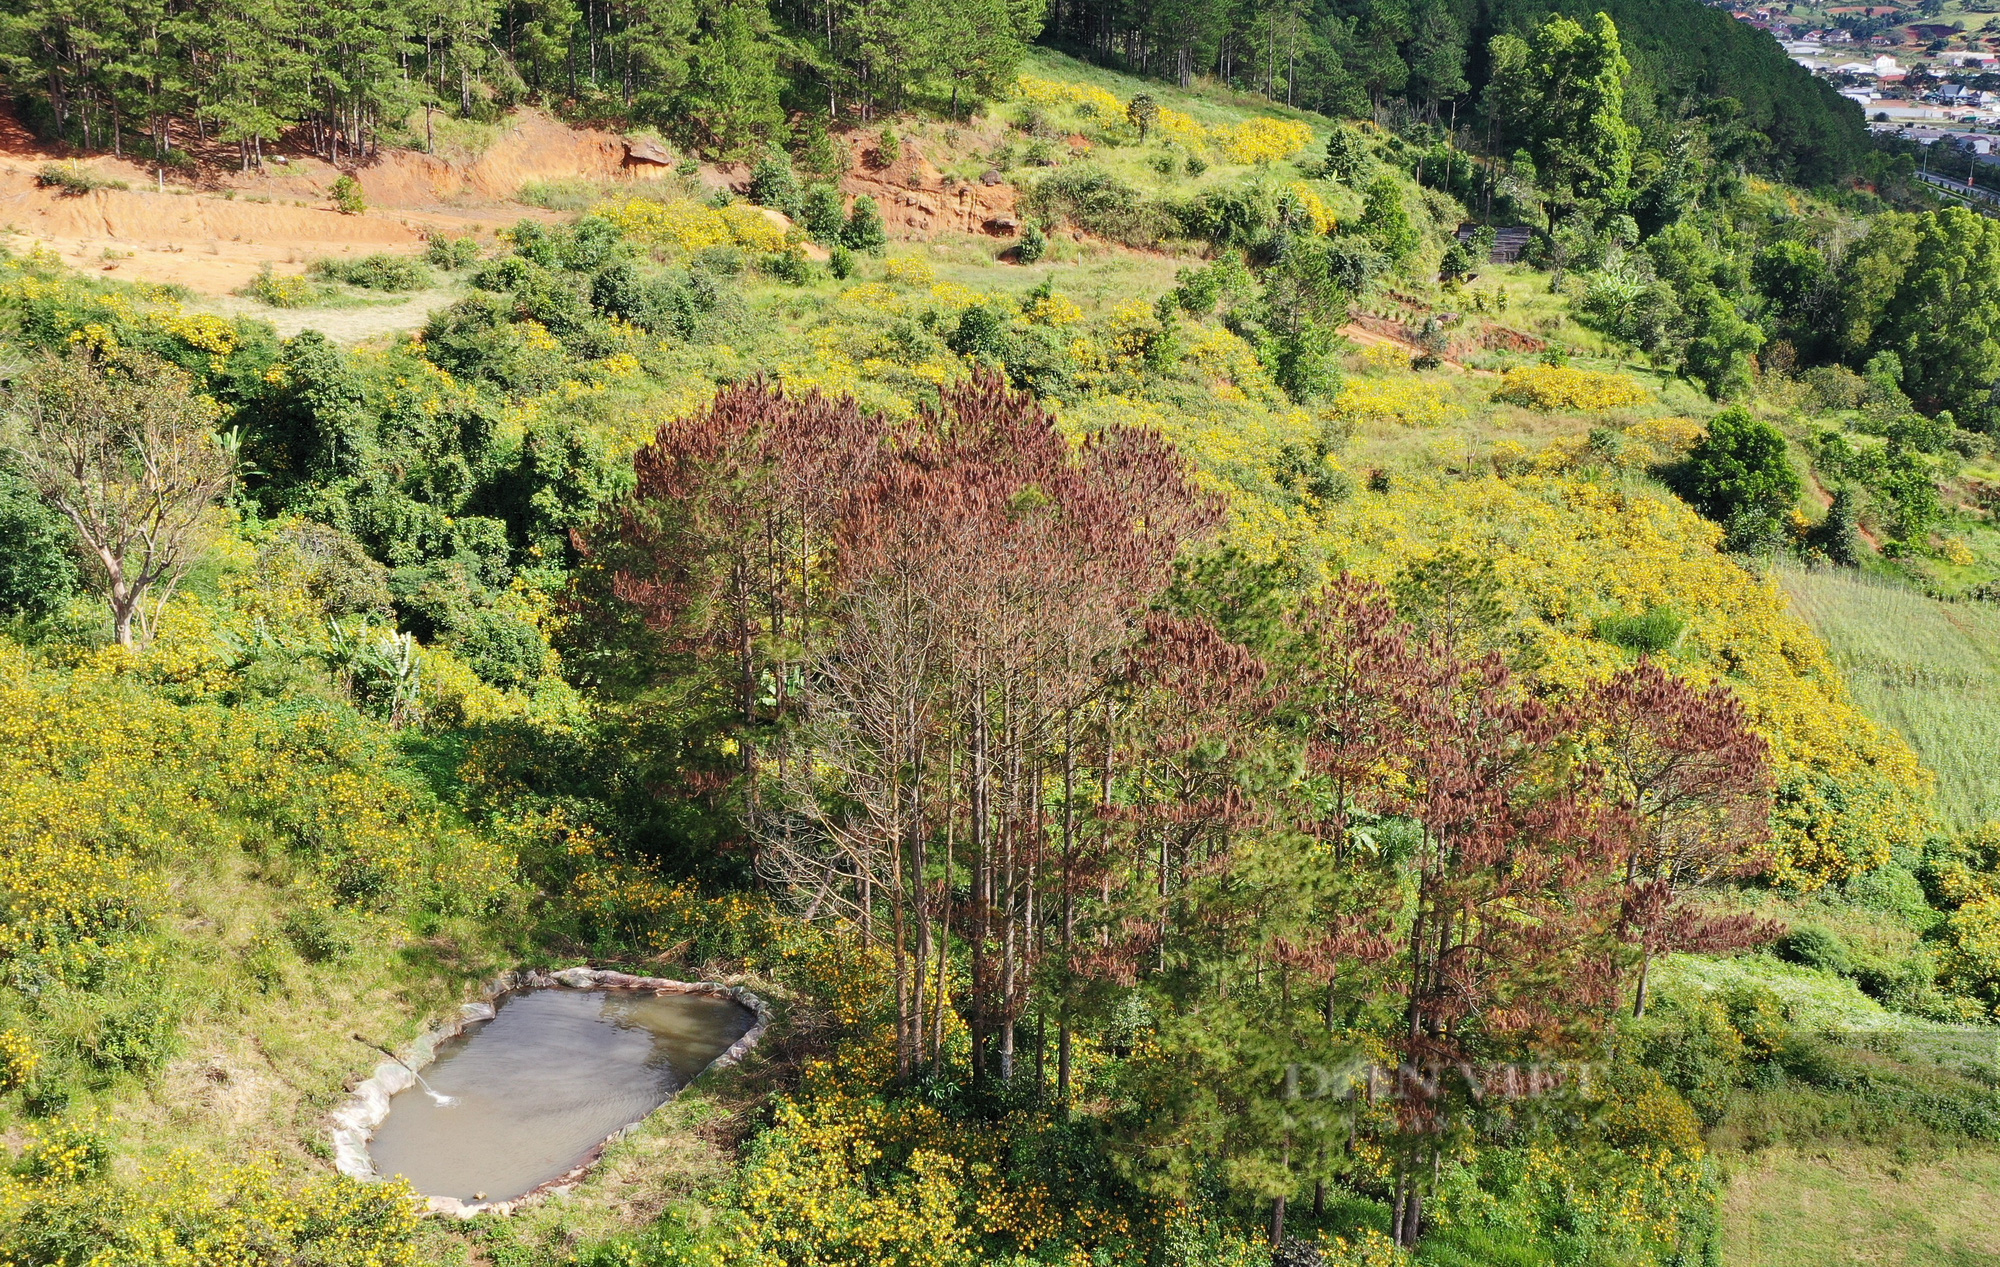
[214, 238]
[214, 234]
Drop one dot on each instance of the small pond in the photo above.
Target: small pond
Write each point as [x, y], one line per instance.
[538, 1086]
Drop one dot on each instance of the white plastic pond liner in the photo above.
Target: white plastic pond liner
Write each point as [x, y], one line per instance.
[355, 1121]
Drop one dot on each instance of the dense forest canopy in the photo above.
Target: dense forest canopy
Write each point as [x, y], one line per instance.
[727, 75]
[1695, 65]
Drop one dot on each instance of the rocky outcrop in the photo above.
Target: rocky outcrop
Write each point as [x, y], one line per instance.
[355, 1121]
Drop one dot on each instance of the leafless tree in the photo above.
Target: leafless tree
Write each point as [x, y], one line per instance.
[123, 445]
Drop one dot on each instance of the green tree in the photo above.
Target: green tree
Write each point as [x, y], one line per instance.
[37, 554]
[864, 230]
[1385, 221]
[1718, 342]
[730, 103]
[1741, 476]
[131, 458]
[1928, 289]
[1346, 154]
[1561, 95]
[1143, 113]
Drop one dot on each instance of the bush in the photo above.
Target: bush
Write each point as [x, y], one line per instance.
[840, 262]
[38, 565]
[345, 194]
[1096, 202]
[1740, 475]
[451, 254]
[773, 185]
[888, 147]
[314, 934]
[1034, 244]
[1562, 387]
[285, 290]
[70, 178]
[864, 230]
[380, 271]
[790, 267]
[1814, 947]
[981, 335]
[821, 213]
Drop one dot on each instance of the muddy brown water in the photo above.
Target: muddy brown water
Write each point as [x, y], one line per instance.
[538, 1086]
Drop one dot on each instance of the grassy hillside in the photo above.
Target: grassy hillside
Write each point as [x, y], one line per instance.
[401, 728]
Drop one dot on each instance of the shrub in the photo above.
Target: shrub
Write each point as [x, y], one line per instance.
[910, 270]
[38, 566]
[1096, 202]
[1264, 140]
[840, 262]
[345, 194]
[380, 271]
[1814, 947]
[1034, 244]
[888, 147]
[772, 184]
[791, 267]
[981, 334]
[285, 290]
[1346, 154]
[821, 213]
[70, 177]
[864, 230]
[690, 225]
[451, 254]
[1561, 387]
[1740, 475]
[1143, 113]
[314, 934]
[1650, 632]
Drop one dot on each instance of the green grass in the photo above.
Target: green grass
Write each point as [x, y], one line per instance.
[1814, 1000]
[1115, 147]
[1826, 1206]
[1928, 669]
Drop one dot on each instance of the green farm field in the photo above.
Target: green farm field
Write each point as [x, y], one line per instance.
[1928, 669]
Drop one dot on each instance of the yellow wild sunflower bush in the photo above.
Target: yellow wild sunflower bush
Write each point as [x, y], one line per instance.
[1566, 387]
[58, 1206]
[1264, 140]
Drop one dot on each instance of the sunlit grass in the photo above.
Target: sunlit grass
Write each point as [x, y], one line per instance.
[1787, 1208]
[1929, 669]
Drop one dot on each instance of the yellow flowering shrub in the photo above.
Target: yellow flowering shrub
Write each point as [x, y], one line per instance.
[692, 226]
[1565, 387]
[909, 270]
[55, 306]
[752, 227]
[1264, 140]
[190, 1213]
[1403, 402]
[1054, 310]
[1385, 358]
[1184, 128]
[1057, 92]
[1232, 367]
[18, 1060]
[1307, 199]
